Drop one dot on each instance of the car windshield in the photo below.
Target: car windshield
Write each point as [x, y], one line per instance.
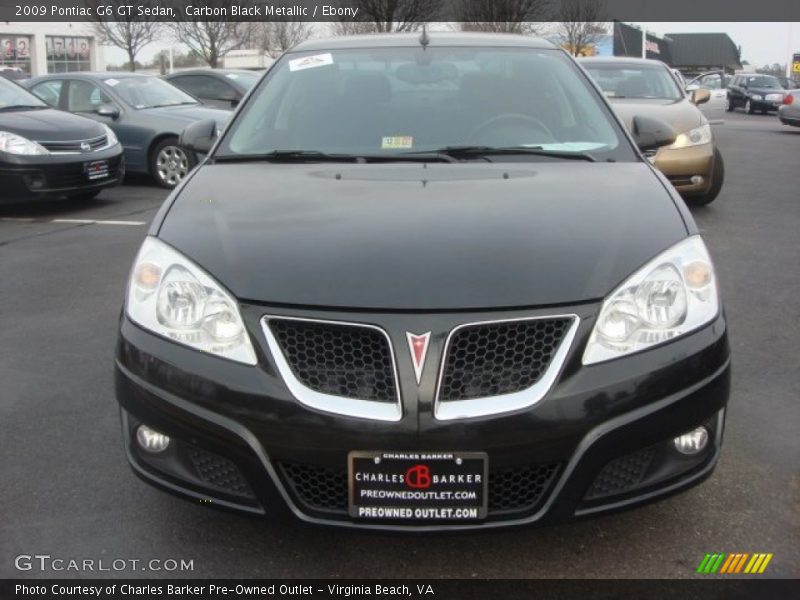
[388, 102]
[635, 81]
[12, 95]
[148, 92]
[764, 81]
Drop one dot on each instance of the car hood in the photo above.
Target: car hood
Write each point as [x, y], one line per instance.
[49, 125]
[681, 114]
[414, 236]
[189, 113]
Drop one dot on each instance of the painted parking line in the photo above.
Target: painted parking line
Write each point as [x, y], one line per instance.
[72, 221]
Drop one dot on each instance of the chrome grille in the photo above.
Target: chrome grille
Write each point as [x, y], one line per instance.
[338, 359]
[492, 359]
[75, 146]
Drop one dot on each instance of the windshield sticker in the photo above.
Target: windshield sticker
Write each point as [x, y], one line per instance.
[397, 142]
[232, 76]
[112, 82]
[310, 62]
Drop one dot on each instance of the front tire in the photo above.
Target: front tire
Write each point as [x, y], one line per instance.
[169, 163]
[717, 179]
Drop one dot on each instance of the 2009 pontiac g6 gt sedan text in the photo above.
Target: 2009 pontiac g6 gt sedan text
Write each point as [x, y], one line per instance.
[424, 282]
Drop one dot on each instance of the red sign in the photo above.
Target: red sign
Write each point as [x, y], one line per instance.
[418, 477]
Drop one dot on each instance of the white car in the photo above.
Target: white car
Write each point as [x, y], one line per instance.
[715, 82]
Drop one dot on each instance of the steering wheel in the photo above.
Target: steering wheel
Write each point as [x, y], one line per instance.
[512, 118]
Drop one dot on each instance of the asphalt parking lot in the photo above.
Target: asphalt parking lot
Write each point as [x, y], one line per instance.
[67, 490]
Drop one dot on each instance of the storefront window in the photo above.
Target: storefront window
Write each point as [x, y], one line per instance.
[67, 54]
[15, 53]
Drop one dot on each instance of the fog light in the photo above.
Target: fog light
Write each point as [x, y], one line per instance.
[151, 440]
[692, 442]
[697, 179]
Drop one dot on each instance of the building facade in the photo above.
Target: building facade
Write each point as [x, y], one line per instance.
[55, 47]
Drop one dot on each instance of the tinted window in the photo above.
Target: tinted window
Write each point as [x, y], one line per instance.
[49, 91]
[83, 96]
[763, 81]
[148, 92]
[387, 100]
[634, 81]
[203, 86]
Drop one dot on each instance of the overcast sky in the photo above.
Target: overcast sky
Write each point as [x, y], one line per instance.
[762, 43]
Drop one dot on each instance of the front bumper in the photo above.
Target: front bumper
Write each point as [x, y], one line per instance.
[56, 175]
[681, 164]
[244, 423]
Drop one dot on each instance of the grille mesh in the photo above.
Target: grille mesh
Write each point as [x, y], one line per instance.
[519, 488]
[621, 474]
[499, 358]
[220, 472]
[511, 490]
[338, 359]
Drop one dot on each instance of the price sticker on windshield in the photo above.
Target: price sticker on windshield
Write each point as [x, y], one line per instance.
[397, 142]
[311, 62]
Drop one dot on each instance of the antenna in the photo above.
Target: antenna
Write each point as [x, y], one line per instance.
[424, 40]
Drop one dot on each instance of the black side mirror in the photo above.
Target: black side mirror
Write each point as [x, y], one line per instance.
[651, 133]
[108, 110]
[199, 136]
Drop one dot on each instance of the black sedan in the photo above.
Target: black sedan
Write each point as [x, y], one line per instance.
[147, 114]
[761, 93]
[46, 153]
[454, 294]
[219, 88]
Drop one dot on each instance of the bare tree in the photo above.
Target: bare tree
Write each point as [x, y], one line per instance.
[275, 37]
[581, 24]
[212, 40]
[131, 34]
[378, 16]
[502, 16]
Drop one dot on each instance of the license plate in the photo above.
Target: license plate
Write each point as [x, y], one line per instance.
[418, 486]
[96, 169]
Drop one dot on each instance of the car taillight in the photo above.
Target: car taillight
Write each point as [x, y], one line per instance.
[788, 99]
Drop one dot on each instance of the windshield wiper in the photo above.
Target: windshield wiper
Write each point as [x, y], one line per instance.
[484, 151]
[171, 104]
[23, 106]
[315, 155]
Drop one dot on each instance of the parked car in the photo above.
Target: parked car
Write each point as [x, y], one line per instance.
[424, 282]
[762, 93]
[147, 114]
[635, 86]
[716, 82]
[46, 153]
[789, 111]
[220, 88]
[788, 84]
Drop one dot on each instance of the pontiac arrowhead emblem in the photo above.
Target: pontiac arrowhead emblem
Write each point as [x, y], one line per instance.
[418, 344]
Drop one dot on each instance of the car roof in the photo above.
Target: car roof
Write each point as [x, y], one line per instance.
[621, 61]
[436, 38]
[211, 72]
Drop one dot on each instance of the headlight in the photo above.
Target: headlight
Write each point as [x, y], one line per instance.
[171, 296]
[16, 144]
[111, 137]
[756, 97]
[673, 294]
[694, 137]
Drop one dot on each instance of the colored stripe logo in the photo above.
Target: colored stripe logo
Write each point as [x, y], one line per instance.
[734, 563]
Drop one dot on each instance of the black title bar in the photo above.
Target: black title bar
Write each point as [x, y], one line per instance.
[397, 10]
